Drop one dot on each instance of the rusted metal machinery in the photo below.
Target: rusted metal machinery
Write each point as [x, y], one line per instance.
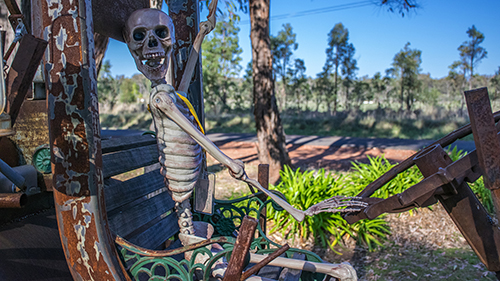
[446, 181]
[18, 177]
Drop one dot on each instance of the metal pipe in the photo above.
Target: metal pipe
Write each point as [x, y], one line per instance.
[3, 95]
[12, 200]
[15, 177]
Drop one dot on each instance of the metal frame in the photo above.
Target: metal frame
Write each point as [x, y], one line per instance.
[446, 181]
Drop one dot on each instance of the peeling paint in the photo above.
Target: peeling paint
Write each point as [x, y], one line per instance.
[61, 39]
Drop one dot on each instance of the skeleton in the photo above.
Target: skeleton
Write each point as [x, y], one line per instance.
[149, 34]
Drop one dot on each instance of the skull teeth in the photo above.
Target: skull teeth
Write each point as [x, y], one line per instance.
[154, 62]
[153, 55]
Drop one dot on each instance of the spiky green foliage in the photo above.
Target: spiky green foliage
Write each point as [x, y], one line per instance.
[364, 174]
[304, 189]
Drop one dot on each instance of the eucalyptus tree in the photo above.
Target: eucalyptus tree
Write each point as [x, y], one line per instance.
[221, 62]
[298, 83]
[348, 69]
[379, 86]
[322, 88]
[471, 52]
[361, 92]
[457, 80]
[406, 66]
[108, 87]
[495, 83]
[270, 133]
[282, 46]
[337, 43]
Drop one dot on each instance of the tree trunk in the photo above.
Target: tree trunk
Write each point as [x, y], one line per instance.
[270, 133]
[336, 87]
[101, 44]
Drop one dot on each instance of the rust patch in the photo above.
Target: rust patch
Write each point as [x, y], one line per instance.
[75, 141]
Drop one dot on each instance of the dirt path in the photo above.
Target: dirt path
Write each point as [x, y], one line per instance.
[315, 157]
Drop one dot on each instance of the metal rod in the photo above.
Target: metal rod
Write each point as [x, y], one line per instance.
[15, 177]
[254, 269]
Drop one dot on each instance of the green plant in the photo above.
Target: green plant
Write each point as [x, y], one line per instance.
[304, 189]
[482, 193]
[363, 174]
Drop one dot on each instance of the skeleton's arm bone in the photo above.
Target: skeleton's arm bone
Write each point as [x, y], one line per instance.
[164, 102]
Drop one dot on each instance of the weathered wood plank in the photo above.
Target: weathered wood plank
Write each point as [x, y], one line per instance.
[123, 161]
[154, 237]
[241, 248]
[121, 194]
[128, 220]
[128, 142]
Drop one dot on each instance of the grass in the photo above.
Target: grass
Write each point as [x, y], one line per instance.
[343, 125]
[348, 125]
[396, 263]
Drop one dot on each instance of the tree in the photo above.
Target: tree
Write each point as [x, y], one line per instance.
[270, 132]
[108, 87]
[129, 91]
[495, 83]
[457, 79]
[298, 82]
[399, 6]
[221, 62]
[348, 69]
[282, 47]
[470, 51]
[323, 87]
[361, 92]
[406, 66]
[379, 87]
[337, 44]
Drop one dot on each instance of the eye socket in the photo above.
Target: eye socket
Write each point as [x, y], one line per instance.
[139, 35]
[161, 32]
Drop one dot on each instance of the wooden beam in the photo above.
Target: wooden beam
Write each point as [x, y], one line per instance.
[241, 249]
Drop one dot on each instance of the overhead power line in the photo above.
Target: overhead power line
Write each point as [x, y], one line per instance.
[318, 11]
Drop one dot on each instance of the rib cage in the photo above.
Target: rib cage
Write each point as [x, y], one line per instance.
[180, 155]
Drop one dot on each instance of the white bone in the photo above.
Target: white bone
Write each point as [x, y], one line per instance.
[343, 271]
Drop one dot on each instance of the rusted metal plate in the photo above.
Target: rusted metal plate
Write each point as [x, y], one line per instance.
[466, 211]
[110, 16]
[23, 69]
[32, 129]
[75, 141]
[9, 153]
[485, 136]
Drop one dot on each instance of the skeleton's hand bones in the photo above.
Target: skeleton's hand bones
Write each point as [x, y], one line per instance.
[163, 99]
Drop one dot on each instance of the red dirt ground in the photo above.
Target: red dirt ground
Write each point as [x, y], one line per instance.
[314, 157]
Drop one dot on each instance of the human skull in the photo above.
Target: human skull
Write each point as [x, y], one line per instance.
[149, 34]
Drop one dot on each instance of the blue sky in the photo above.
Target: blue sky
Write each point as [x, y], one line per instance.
[437, 28]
